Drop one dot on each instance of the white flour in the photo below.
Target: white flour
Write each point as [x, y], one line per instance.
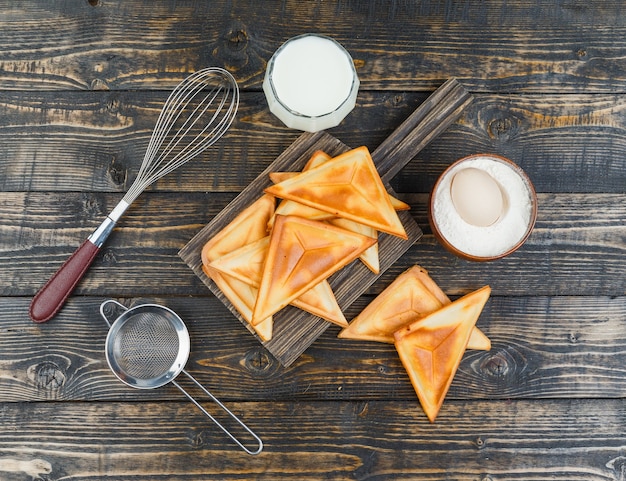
[497, 238]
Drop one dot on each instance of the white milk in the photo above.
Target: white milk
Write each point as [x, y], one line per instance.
[311, 83]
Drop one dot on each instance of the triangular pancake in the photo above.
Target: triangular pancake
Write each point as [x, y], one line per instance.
[422, 274]
[348, 186]
[411, 296]
[301, 254]
[249, 226]
[246, 265]
[277, 177]
[242, 296]
[290, 207]
[318, 158]
[320, 301]
[405, 300]
[431, 348]
[478, 340]
[287, 207]
[370, 256]
[398, 204]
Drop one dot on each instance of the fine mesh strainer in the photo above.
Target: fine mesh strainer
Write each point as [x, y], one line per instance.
[148, 346]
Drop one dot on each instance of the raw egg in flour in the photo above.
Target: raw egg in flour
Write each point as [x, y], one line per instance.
[477, 197]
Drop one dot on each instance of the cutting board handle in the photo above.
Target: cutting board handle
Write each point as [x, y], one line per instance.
[433, 116]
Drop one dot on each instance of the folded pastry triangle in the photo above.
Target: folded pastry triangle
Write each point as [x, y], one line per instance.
[290, 207]
[248, 226]
[320, 301]
[246, 265]
[405, 300]
[411, 296]
[301, 254]
[431, 348]
[318, 158]
[429, 283]
[478, 340]
[398, 204]
[348, 186]
[277, 177]
[370, 256]
[242, 296]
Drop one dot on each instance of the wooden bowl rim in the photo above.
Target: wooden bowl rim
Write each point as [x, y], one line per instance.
[531, 223]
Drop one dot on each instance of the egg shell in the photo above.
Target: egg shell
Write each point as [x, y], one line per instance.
[477, 197]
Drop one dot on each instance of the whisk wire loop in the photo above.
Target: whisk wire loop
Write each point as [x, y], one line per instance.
[195, 115]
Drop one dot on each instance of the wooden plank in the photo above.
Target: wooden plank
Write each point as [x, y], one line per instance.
[487, 440]
[81, 84]
[121, 45]
[559, 347]
[94, 141]
[575, 249]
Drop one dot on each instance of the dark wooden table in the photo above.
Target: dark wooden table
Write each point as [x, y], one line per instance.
[81, 85]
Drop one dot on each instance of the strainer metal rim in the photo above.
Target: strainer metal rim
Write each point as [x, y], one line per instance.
[177, 367]
[184, 346]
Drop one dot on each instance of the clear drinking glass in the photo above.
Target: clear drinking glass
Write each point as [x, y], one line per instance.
[311, 83]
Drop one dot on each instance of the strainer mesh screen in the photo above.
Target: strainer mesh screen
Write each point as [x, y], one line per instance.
[146, 346]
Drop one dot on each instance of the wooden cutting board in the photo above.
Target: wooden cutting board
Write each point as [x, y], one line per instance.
[295, 330]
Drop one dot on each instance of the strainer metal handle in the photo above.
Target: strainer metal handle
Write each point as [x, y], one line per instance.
[104, 315]
[171, 379]
[228, 411]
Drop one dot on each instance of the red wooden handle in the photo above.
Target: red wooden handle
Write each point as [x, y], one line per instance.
[49, 300]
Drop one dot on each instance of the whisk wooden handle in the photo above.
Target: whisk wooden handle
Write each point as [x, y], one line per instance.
[54, 293]
[49, 300]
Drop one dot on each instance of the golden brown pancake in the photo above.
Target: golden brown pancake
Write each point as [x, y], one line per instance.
[347, 186]
[370, 256]
[301, 254]
[411, 296]
[242, 296]
[405, 300]
[432, 347]
[246, 265]
[249, 225]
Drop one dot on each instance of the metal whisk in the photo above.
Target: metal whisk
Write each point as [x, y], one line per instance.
[196, 114]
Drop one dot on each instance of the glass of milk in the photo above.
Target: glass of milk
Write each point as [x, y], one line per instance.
[311, 83]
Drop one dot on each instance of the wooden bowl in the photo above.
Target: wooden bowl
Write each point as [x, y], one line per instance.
[446, 236]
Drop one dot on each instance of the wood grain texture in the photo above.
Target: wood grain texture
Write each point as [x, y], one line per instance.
[542, 347]
[122, 45]
[503, 440]
[81, 85]
[95, 141]
[576, 248]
